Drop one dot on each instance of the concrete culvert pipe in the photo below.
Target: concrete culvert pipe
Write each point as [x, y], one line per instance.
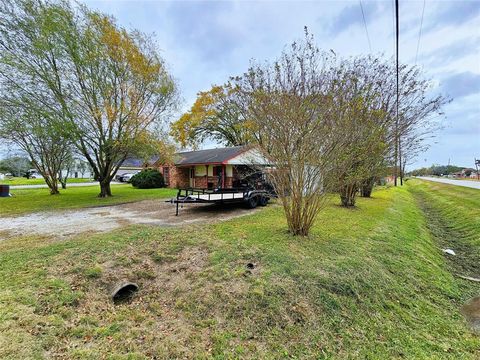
[123, 292]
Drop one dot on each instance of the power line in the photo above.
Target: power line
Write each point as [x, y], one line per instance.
[393, 26]
[420, 32]
[365, 24]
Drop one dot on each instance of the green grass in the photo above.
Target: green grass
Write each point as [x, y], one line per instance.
[367, 283]
[41, 181]
[32, 200]
[453, 214]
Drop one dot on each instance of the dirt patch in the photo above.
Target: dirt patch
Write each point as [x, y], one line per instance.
[107, 218]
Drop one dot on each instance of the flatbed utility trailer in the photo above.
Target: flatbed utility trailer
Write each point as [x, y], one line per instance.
[251, 198]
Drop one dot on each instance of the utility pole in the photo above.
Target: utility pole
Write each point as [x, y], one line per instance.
[398, 161]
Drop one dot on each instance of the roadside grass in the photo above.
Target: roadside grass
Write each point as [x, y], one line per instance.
[367, 283]
[453, 215]
[33, 200]
[24, 181]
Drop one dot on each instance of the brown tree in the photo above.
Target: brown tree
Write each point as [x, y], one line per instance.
[289, 103]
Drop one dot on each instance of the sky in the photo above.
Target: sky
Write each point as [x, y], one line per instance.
[206, 42]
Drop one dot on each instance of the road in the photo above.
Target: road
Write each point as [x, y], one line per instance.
[465, 183]
[41, 186]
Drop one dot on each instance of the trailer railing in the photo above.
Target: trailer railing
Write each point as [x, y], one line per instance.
[206, 194]
[219, 195]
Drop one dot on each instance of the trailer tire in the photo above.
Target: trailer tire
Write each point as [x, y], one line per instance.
[252, 202]
[263, 201]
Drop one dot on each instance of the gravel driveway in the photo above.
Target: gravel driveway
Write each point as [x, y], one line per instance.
[101, 219]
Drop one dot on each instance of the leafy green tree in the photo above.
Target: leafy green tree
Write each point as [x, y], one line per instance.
[15, 165]
[216, 114]
[108, 87]
[30, 116]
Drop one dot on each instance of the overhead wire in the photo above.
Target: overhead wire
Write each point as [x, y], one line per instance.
[393, 26]
[420, 32]
[365, 25]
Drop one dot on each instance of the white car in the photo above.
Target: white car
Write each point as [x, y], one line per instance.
[127, 177]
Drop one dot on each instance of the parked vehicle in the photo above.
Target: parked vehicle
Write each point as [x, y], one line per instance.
[125, 177]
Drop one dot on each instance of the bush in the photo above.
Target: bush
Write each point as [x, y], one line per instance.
[148, 179]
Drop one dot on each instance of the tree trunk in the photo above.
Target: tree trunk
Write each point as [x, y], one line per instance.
[348, 194]
[367, 187]
[52, 183]
[105, 190]
[53, 188]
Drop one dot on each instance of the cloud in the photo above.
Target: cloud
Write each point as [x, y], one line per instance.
[453, 13]
[453, 51]
[461, 84]
[205, 28]
[352, 16]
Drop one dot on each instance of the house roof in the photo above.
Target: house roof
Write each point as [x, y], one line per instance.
[210, 156]
[132, 162]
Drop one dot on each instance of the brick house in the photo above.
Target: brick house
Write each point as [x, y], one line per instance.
[212, 168]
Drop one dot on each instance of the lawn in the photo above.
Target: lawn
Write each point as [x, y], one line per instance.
[41, 181]
[368, 283]
[32, 200]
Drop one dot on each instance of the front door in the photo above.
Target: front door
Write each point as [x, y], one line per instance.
[218, 173]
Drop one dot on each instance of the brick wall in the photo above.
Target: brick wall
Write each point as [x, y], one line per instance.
[180, 178]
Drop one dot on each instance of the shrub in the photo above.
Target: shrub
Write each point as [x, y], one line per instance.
[148, 179]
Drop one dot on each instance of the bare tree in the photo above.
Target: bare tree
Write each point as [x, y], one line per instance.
[289, 104]
[419, 115]
[368, 87]
[359, 115]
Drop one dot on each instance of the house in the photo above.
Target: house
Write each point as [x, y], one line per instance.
[213, 168]
[134, 165]
[467, 172]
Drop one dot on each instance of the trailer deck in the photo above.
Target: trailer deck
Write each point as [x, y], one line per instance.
[250, 197]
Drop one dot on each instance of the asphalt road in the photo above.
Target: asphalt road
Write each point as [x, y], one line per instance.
[465, 183]
[13, 187]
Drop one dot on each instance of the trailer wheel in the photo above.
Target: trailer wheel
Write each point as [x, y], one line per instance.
[252, 202]
[263, 201]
